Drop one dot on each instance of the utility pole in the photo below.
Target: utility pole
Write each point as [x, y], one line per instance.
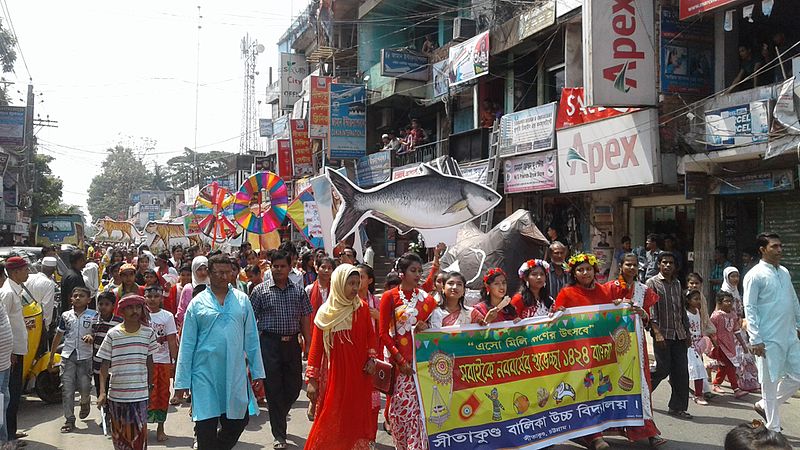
[29, 140]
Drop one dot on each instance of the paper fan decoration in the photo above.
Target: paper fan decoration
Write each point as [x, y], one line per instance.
[213, 213]
[260, 205]
[304, 215]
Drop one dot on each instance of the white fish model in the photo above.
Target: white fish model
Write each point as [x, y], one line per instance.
[429, 200]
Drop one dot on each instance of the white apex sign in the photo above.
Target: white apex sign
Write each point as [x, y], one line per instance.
[619, 53]
[612, 153]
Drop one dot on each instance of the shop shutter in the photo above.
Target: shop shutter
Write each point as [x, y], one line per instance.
[782, 216]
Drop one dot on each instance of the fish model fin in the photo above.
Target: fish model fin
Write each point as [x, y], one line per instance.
[349, 214]
[403, 228]
[457, 206]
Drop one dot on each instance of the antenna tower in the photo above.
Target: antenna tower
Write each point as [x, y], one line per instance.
[248, 141]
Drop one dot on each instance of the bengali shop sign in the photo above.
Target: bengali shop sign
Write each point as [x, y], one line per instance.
[532, 384]
[301, 148]
[528, 173]
[348, 128]
[285, 159]
[319, 114]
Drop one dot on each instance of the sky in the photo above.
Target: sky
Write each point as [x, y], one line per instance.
[125, 72]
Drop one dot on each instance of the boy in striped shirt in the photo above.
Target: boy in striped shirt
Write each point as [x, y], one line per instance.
[103, 321]
[127, 352]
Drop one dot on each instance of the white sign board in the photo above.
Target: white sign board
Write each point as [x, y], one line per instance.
[476, 172]
[617, 152]
[311, 217]
[619, 53]
[292, 71]
[529, 130]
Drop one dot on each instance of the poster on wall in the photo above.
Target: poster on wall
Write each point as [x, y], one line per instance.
[737, 125]
[536, 172]
[292, 71]
[619, 53]
[301, 149]
[617, 152]
[319, 109]
[348, 123]
[687, 55]
[529, 130]
[572, 110]
[441, 78]
[470, 59]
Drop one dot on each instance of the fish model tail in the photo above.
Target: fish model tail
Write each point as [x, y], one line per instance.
[349, 214]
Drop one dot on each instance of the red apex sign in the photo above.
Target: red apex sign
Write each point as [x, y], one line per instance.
[620, 52]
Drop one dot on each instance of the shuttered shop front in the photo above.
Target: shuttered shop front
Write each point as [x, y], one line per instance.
[782, 216]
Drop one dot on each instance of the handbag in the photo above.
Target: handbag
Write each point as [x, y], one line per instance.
[383, 378]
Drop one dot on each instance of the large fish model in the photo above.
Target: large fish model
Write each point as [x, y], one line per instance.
[429, 200]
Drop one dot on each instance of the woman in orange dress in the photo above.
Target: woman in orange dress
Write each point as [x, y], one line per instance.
[404, 309]
[641, 298]
[584, 290]
[345, 335]
[366, 292]
[318, 294]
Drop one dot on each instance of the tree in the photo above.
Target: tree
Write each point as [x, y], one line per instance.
[109, 192]
[160, 180]
[193, 168]
[47, 195]
[8, 56]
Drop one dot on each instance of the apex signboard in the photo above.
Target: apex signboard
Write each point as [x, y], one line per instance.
[619, 53]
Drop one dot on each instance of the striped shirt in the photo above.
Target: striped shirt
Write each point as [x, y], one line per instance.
[6, 340]
[128, 354]
[100, 328]
[669, 314]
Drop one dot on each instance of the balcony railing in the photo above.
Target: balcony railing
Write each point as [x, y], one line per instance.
[422, 154]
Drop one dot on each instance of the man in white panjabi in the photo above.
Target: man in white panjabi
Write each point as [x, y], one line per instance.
[773, 315]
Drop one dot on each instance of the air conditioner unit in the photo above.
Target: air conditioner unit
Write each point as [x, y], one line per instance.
[386, 118]
[463, 29]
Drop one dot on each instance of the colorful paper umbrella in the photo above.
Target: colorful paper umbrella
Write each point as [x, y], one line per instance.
[213, 213]
[260, 204]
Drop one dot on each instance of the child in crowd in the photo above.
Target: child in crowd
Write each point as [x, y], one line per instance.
[127, 352]
[103, 321]
[163, 324]
[171, 300]
[728, 326]
[700, 345]
[695, 282]
[75, 328]
[755, 436]
[254, 277]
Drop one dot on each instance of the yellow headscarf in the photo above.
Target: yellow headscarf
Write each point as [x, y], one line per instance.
[336, 314]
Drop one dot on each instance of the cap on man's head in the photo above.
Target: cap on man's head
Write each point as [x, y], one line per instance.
[128, 267]
[15, 262]
[385, 136]
[49, 261]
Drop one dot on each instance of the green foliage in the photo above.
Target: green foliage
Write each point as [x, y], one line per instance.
[8, 55]
[109, 192]
[47, 195]
[183, 172]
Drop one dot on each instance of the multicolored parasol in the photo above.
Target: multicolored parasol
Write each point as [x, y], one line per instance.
[260, 205]
[213, 214]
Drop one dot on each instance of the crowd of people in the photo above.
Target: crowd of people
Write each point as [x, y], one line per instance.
[230, 331]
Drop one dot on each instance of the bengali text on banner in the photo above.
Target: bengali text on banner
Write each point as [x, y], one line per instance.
[531, 384]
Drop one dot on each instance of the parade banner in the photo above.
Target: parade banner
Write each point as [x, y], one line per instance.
[301, 148]
[319, 115]
[532, 384]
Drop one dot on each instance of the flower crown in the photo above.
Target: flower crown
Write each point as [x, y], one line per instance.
[530, 264]
[491, 273]
[582, 258]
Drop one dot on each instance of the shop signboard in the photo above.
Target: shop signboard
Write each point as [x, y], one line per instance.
[319, 114]
[374, 169]
[476, 172]
[619, 53]
[469, 59]
[285, 159]
[618, 152]
[12, 126]
[535, 172]
[687, 55]
[737, 125]
[572, 109]
[292, 71]
[408, 170]
[348, 123]
[773, 181]
[440, 78]
[536, 19]
[529, 130]
[690, 8]
[404, 64]
[301, 148]
[265, 128]
[4, 157]
[280, 127]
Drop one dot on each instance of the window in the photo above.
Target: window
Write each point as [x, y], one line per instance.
[554, 83]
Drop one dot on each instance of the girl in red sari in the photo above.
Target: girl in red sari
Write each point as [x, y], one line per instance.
[641, 298]
[533, 298]
[489, 309]
[584, 290]
[403, 310]
[452, 312]
[366, 292]
[345, 334]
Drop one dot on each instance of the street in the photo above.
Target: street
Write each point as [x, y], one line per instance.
[706, 431]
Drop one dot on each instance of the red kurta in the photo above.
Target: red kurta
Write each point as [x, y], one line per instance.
[480, 311]
[346, 420]
[575, 295]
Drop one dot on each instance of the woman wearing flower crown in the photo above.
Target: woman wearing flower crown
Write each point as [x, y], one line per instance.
[641, 298]
[404, 309]
[584, 290]
[494, 305]
[533, 298]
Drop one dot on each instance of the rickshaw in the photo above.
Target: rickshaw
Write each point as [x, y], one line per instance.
[35, 375]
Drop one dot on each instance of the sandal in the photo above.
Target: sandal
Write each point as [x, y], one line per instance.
[174, 401]
[680, 414]
[717, 389]
[68, 427]
[739, 393]
[657, 441]
[701, 401]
